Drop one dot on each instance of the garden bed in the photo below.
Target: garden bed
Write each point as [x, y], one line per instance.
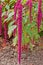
[8, 56]
[21, 29]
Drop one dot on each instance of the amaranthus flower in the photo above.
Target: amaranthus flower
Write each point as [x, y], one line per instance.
[15, 11]
[19, 31]
[18, 8]
[5, 29]
[39, 18]
[19, 1]
[15, 8]
[0, 19]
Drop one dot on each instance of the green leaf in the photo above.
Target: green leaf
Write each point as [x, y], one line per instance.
[33, 24]
[11, 14]
[28, 31]
[24, 1]
[27, 40]
[23, 38]
[11, 29]
[15, 40]
[9, 17]
[25, 19]
[11, 23]
[3, 14]
[7, 7]
[37, 36]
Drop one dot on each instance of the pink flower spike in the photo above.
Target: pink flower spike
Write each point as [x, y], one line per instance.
[18, 7]
[27, 3]
[15, 11]
[39, 18]
[39, 4]
[19, 1]
[0, 19]
[19, 32]
[5, 30]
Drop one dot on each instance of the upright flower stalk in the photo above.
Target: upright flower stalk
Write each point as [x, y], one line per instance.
[18, 8]
[5, 30]
[15, 11]
[0, 19]
[30, 16]
[39, 17]
[19, 31]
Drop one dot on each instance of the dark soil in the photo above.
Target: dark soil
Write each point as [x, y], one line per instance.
[8, 56]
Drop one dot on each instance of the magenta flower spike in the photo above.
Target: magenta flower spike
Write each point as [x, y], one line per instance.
[39, 18]
[0, 19]
[27, 3]
[18, 7]
[15, 8]
[5, 30]
[19, 31]
[15, 11]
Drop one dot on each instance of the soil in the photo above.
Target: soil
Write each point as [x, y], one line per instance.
[8, 56]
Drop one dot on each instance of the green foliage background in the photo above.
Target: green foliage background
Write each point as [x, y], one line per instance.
[29, 31]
